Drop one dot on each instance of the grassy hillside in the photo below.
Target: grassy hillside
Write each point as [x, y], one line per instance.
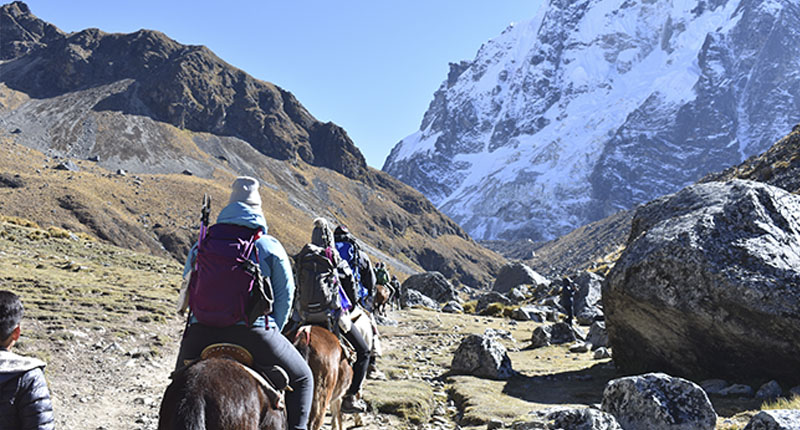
[159, 213]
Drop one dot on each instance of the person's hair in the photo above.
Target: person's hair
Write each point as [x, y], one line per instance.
[10, 313]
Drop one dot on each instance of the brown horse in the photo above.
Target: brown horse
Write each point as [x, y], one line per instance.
[332, 372]
[383, 293]
[220, 394]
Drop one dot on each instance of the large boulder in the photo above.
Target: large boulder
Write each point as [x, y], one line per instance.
[482, 356]
[709, 285]
[586, 304]
[777, 419]
[433, 285]
[657, 401]
[597, 336]
[515, 274]
[555, 334]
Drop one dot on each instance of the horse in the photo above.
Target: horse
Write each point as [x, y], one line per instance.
[383, 294]
[332, 372]
[219, 393]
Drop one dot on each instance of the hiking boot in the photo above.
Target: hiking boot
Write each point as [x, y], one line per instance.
[352, 405]
[376, 374]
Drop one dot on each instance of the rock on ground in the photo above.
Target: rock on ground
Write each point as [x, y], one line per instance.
[656, 401]
[433, 285]
[569, 418]
[515, 274]
[769, 391]
[737, 390]
[587, 305]
[714, 386]
[597, 336]
[411, 298]
[482, 356]
[776, 419]
[532, 313]
[491, 297]
[709, 285]
[453, 307]
[554, 334]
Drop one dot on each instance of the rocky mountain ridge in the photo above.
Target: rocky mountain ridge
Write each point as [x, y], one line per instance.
[186, 86]
[162, 123]
[594, 106]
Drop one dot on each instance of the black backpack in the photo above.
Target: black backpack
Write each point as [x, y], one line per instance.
[317, 291]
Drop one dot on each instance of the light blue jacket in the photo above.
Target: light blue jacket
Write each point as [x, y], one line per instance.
[273, 261]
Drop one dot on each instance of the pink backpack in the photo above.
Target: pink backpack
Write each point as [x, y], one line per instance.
[224, 275]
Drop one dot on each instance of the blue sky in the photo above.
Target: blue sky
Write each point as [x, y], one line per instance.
[370, 66]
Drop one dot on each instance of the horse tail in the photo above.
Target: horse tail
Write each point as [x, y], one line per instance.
[193, 413]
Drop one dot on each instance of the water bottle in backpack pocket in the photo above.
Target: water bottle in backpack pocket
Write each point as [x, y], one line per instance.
[226, 285]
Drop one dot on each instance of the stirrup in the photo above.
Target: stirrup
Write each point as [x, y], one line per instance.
[228, 350]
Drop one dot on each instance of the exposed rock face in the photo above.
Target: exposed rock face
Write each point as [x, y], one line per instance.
[709, 285]
[778, 166]
[568, 117]
[555, 334]
[517, 273]
[778, 419]
[433, 285]
[482, 356]
[657, 401]
[186, 86]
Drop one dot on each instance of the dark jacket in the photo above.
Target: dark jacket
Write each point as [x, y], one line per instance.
[24, 396]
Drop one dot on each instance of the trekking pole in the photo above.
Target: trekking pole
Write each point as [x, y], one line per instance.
[205, 211]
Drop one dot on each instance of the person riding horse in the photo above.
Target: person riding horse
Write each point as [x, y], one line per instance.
[323, 236]
[262, 338]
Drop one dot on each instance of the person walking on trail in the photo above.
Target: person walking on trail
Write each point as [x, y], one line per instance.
[567, 297]
[397, 296]
[24, 397]
[262, 338]
[322, 236]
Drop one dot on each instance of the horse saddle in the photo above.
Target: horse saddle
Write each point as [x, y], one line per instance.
[273, 380]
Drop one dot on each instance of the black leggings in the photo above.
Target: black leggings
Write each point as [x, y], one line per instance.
[269, 348]
[362, 359]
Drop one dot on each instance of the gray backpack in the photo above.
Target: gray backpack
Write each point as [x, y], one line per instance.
[317, 292]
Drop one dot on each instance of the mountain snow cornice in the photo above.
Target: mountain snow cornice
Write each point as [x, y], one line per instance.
[598, 105]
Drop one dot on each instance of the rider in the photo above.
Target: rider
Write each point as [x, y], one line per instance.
[324, 237]
[263, 338]
[24, 397]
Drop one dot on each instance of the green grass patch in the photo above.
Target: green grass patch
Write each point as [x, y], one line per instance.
[470, 306]
[499, 310]
[480, 401]
[411, 400]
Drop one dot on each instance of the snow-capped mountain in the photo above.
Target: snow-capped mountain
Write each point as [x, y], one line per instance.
[597, 105]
